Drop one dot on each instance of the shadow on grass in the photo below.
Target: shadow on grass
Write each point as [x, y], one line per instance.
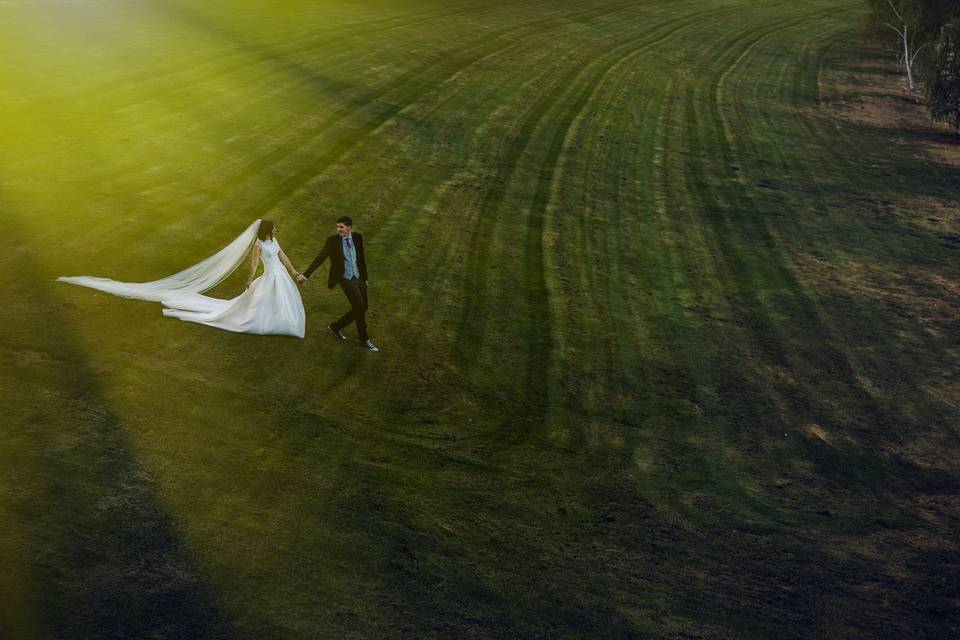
[106, 558]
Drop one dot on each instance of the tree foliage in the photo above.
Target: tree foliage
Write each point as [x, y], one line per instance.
[943, 83]
[924, 35]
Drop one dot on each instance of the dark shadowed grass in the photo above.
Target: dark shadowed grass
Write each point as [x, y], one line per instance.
[668, 340]
[100, 555]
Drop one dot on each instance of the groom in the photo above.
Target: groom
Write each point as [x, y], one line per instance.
[348, 268]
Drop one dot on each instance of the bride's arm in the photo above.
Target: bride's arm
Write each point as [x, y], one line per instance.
[286, 262]
[254, 259]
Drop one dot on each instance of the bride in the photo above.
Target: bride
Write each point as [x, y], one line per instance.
[270, 304]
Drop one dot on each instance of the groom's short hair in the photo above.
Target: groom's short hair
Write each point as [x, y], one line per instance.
[345, 220]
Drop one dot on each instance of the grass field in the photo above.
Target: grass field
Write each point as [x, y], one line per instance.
[669, 344]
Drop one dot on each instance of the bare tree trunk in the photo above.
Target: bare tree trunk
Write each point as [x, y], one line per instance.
[909, 57]
[906, 57]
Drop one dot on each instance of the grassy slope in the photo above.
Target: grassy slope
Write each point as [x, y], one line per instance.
[662, 350]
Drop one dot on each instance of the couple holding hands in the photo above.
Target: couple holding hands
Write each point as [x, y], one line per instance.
[270, 304]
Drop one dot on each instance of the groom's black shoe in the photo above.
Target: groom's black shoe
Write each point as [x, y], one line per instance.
[336, 331]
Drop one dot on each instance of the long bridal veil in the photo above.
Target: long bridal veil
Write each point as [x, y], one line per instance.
[196, 279]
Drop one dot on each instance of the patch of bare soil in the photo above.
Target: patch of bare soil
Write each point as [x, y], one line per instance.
[947, 151]
[891, 287]
[920, 300]
[868, 92]
[876, 95]
[923, 303]
[938, 216]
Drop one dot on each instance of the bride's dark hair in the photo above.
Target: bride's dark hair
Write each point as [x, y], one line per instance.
[265, 231]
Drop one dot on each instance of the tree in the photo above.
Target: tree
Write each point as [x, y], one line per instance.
[943, 80]
[905, 18]
[905, 24]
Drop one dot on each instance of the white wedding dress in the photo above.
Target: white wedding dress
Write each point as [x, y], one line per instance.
[270, 305]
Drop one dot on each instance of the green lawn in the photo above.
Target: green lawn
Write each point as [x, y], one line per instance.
[669, 347]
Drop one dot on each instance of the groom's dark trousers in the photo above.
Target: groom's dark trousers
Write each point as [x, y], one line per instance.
[356, 291]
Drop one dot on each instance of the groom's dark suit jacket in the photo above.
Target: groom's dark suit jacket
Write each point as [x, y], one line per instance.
[333, 249]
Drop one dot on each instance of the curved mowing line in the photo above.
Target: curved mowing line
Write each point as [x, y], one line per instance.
[716, 90]
[723, 135]
[286, 59]
[327, 40]
[634, 43]
[286, 187]
[442, 268]
[831, 140]
[283, 190]
[740, 260]
[824, 353]
[724, 140]
[683, 331]
[607, 295]
[306, 75]
[540, 351]
[397, 82]
[473, 320]
[450, 65]
[623, 281]
[438, 272]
